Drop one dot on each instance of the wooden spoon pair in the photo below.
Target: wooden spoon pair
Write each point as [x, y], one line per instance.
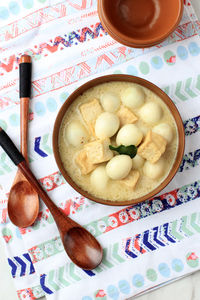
[82, 248]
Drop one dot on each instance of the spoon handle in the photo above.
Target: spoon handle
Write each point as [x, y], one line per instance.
[24, 92]
[63, 222]
[10, 148]
[55, 211]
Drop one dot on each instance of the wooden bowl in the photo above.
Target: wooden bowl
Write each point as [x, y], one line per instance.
[127, 78]
[140, 23]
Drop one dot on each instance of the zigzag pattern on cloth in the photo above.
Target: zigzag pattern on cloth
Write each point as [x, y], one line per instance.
[184, 90]
[89, 67]
[163, 235]
[21, 265]
[48, 14]
[67, 40]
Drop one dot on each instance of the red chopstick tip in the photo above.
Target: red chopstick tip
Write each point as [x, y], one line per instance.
[25, 59]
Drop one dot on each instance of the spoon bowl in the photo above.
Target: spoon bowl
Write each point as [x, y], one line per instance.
[22, 209]
[88, 250]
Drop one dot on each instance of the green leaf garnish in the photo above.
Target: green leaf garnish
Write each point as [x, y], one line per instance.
[127, 150]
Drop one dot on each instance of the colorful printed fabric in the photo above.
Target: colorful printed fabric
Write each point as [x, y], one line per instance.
[145, 245]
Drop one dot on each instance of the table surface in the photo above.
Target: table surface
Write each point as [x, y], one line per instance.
[183, 289]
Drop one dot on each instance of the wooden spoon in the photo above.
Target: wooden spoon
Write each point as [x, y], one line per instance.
[82, 248]
[23, 202]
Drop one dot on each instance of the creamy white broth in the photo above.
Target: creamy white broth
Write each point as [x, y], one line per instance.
[115, 190]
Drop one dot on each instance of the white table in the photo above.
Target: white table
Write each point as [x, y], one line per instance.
[184, 289]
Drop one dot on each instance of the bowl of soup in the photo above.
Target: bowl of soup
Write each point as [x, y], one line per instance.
[118, 140]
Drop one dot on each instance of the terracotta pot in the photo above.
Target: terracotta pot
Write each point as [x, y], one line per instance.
[127, 78]
[140, 23]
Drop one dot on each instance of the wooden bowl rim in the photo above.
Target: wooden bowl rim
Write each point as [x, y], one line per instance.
[153, 88]
[129, 40]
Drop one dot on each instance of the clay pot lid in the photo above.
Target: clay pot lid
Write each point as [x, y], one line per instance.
[140, 23]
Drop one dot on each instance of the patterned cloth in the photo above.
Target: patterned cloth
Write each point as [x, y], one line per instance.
[145, 245]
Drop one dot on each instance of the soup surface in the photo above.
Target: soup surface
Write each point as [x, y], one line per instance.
[118, 113]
